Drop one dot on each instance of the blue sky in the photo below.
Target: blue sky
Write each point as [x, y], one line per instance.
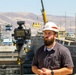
[52, 7]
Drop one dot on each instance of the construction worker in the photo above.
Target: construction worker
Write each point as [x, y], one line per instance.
[52, 58]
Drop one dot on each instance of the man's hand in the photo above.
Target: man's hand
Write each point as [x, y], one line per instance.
[41, 72]
[46, 71]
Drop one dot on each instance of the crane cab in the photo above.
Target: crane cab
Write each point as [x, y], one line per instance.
[36, 25]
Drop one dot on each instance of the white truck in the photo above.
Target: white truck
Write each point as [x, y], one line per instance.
[7, 41]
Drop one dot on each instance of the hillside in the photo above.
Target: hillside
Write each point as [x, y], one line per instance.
[29, 18]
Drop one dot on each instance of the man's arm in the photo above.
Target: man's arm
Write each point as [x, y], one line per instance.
[62, 71]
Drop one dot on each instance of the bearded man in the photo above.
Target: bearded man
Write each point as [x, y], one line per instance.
[52, 58]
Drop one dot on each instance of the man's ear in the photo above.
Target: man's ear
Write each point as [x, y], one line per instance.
[55, 36]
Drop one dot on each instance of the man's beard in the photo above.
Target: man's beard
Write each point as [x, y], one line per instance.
[49, 42]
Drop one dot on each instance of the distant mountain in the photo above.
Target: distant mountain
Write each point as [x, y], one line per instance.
[12, 18]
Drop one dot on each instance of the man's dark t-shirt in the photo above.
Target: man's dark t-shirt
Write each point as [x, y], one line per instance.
[57, 58]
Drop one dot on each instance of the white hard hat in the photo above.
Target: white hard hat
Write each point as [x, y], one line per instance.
[51, 26]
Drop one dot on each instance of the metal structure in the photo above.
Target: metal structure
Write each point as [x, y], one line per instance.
[43, 13]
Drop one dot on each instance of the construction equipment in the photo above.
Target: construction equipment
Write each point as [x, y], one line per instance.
[36, 25]
[8, 27]
[43, 13]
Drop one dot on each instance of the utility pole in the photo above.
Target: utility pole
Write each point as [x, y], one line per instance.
[75, 25]
[60, 24]
[0, 33]
[70, 26]
[65, 21]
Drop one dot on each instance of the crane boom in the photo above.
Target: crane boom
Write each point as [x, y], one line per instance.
[43, 13]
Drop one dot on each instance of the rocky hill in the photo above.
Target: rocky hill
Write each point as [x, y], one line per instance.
[12, 18]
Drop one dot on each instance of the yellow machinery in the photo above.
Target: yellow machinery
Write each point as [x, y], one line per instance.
[61, 35]
[36, 25]
[43, 13]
